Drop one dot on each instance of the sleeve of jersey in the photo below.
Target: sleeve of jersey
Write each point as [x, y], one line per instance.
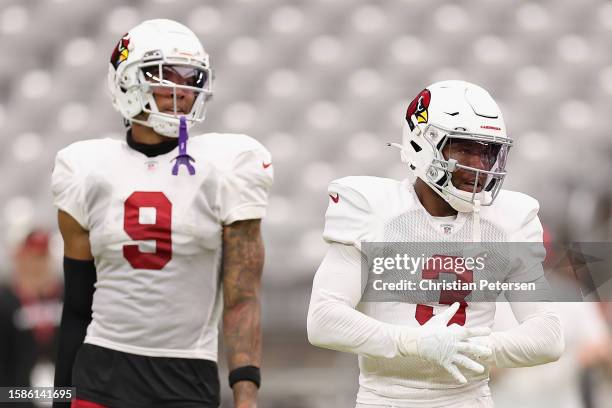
[347, 215]
[527, 257]
[334, 323]
[245, 187]
[68, 188]
[538, 339]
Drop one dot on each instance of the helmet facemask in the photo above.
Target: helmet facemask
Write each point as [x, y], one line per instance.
[173, 75]
[479, 159]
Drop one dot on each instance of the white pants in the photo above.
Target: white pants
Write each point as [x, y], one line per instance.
[480, 402]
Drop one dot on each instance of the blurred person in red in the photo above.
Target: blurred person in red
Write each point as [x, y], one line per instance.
[575, 380]
[30, 309]
[595, 360]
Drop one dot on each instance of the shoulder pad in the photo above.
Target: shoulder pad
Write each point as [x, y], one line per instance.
[516, 213]
[356, 204]
[224, 148]
[87, 152]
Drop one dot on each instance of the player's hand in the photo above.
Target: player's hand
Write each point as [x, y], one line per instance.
[486, 342]
[449, 347]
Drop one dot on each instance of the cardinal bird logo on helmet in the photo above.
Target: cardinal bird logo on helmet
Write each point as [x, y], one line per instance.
[121, 52]
[418, 107]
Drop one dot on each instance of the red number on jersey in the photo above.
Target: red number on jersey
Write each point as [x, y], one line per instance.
[160, 231]
[432, 271]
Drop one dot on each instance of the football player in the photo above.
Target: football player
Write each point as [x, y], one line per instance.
[435, 354]
[161, 238]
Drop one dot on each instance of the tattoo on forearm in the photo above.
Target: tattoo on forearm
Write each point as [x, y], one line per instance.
[243, 258]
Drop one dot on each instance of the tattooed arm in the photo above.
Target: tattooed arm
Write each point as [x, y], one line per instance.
[243, 258]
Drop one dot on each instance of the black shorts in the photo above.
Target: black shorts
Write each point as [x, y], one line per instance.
[123, 380]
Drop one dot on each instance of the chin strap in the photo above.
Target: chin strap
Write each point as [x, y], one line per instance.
[476, 225]
[183, 158]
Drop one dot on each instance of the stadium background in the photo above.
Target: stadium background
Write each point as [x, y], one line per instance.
[324, 85]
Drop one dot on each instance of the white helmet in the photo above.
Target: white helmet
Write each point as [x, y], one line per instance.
[456, 112]
[147, 53]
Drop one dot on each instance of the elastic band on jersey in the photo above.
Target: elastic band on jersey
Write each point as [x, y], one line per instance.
[183, 158]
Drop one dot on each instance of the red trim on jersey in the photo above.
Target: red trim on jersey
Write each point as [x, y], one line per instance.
[79, 403]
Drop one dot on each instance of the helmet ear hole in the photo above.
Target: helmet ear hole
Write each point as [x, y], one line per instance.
[441, 143]
[442, 180]
[415, 146]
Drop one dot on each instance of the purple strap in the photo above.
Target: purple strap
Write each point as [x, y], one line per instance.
[183, 157]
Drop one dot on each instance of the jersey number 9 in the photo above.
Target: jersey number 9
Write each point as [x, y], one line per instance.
[159, 231]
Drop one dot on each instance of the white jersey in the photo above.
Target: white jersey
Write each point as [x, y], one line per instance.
[371, 209]
[157, 238]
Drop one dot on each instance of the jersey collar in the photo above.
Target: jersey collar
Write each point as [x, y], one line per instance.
[151, 150]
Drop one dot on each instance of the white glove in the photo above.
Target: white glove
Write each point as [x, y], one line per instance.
[448, 347]
[487, 360]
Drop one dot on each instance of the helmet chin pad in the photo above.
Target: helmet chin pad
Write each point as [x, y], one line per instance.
[164, 126]
[460, 200]
[167, 127]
